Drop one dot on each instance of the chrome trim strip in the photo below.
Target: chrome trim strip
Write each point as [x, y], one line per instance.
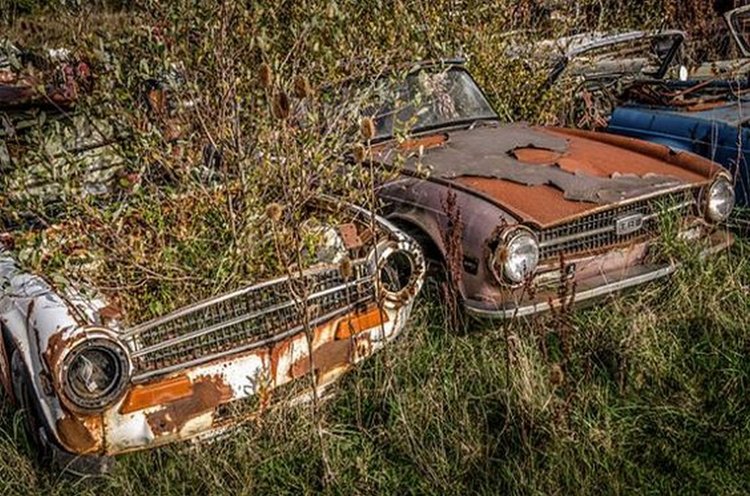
[577, 236]
[579, 296]
[603, 230]
[243, 318]
[212, 301]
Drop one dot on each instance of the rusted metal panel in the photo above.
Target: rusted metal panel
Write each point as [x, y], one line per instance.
[545, 176]
[191, 400]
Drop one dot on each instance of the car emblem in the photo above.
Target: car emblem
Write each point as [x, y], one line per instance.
[628, 224]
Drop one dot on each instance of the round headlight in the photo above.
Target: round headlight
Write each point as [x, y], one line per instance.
[517, 256]
[95, 373]
[397, 272]
[720, 200]
[400, 270]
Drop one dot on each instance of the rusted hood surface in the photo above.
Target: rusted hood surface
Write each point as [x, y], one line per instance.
[545, 175]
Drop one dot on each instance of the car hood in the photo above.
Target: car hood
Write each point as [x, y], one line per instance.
[545, 176]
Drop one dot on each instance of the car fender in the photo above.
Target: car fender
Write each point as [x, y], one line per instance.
[35, 317]
[422, 203]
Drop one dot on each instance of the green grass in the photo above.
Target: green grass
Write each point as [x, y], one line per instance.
[646, 394]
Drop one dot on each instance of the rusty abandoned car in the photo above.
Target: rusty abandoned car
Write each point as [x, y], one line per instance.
[627, 84]
[94, 384]
[513, 210]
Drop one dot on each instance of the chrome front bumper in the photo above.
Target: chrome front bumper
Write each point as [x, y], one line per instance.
[602, 284]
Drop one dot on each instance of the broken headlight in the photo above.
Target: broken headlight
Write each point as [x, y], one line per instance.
[516, 256]
[400, 269]
[719, 200]
[95, 373]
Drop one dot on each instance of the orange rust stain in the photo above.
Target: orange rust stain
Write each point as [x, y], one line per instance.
[700, 107]
[81, 436]
[208, 393]
[360, 322]
[536, 156]
[110, 313]
[157, 393]
[424, 142]
[55, 347]
[280, 350]
[350, 236]
[5, 371]
[543, 205]
[325, 358]
[592, 154]
[636, 156]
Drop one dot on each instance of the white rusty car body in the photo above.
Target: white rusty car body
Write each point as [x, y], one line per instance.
[94, 387]
[101, 389]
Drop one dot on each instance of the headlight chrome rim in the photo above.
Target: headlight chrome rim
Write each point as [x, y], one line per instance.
[499, 267]
[412, 254]
[711, 214]
[103, 342]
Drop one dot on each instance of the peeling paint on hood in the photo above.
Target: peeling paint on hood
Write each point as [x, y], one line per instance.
[544, 175]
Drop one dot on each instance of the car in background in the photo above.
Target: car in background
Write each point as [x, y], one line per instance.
[514, 212]
[618, 90]
[705, 113]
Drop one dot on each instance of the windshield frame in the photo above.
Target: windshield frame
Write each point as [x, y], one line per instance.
[604, 41]
[732, 19]
[446, 65]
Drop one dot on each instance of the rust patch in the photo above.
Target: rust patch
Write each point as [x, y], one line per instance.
[592, 171]
[650, 156]
[278, 351]
[359, 322]
[55, 346]
[327, 357]
[702, 106]
[536, 156]
[424, 142]
[110, 313]
[350, 236]
[592, 155]
[208, 393]
[158, 393]
[5, 378]
[81, 436]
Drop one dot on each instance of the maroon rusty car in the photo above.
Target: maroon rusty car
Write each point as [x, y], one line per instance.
[516, 211]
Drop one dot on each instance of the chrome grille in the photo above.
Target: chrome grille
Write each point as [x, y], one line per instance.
[598, 231]
[245, 319]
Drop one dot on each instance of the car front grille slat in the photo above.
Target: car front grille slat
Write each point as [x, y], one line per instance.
[246, 319]
[597, 231]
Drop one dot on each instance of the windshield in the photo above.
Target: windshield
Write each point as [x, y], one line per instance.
[430, 98]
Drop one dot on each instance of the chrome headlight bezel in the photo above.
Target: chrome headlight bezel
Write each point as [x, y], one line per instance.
[407, 252]
[501, 257]
[105, 343]
[722, 184]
